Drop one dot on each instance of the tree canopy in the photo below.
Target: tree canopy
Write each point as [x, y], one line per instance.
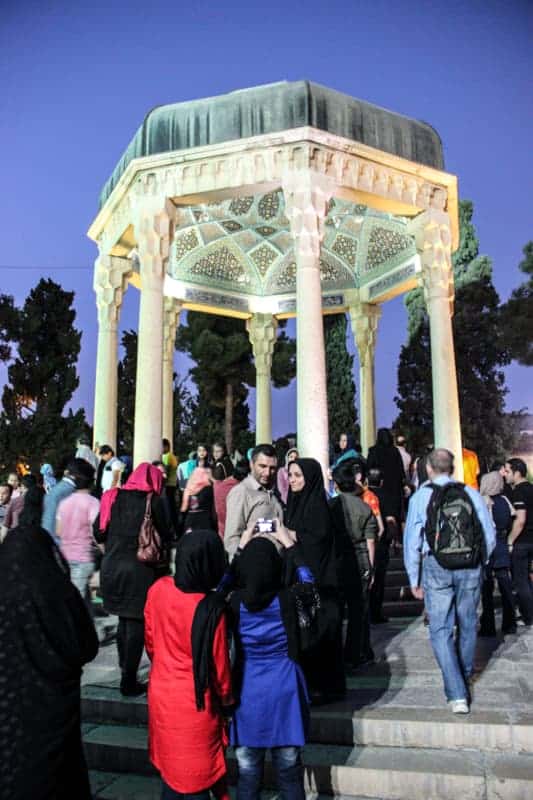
[517, 314]
[342, 410]
[42, 379]
[480, 352]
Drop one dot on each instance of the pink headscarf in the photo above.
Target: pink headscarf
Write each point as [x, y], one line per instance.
[200, 478]
[145, 478]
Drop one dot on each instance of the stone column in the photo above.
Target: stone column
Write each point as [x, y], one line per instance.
[110, 280]
[364, 318]
[154, 221]
[171, 318]
[306, 199]
[433, 239]
[262, 331]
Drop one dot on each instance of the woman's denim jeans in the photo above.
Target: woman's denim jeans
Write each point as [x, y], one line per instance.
[287, 763]
[452, 598]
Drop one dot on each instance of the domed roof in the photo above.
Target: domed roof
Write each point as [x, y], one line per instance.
[274, 108]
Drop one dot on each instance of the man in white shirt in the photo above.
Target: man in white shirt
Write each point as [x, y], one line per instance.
[406, 457]
[113, 468]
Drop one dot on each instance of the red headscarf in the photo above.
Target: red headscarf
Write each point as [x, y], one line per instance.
[200, 478]
[145, 478]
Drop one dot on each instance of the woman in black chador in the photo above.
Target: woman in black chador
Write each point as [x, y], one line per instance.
[46, 635]
[308, 516]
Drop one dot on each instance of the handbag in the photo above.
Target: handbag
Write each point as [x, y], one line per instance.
[150, 549]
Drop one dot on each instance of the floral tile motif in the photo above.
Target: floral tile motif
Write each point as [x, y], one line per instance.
[221, 265]
[286, 279]
[383, 245]
[263, 256]
[185, 243]
[231, 226]
[241, 205]
[268, 206]
[265, 230]
[346, 248]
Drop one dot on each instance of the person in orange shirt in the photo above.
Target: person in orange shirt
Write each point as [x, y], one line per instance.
[471, 468]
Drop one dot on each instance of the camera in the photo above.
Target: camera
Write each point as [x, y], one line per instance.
[264, 526]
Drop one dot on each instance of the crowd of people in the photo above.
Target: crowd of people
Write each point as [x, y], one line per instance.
[258, 602]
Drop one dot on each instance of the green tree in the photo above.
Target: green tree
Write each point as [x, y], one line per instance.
[127, 376]
[342, 410]
[8, 321]
[480, 353]
[224, 370]
[517, 314]
[42, 379]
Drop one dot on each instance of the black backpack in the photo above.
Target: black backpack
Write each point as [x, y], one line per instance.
[453, 530]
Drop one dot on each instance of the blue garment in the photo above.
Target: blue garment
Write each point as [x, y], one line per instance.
[273, 708]
[49, 479]
[452, 598]
[288, 767]
[57, 493]
[414, 541]
[501, 514]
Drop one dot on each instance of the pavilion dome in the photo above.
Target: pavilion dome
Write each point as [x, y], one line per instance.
[273, 108]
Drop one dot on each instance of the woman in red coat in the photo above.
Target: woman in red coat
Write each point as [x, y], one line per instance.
[190, 680]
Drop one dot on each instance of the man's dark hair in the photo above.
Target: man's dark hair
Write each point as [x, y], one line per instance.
[441, 460]
[241, 469]
[518, 465]
[356, 466]
[496, 466]
[265, 450]
[81, 472]
[166, 443]
[384, 438]
[84, 439]
[375, 477]
[106, 450]
[5, 485]
[344, 477]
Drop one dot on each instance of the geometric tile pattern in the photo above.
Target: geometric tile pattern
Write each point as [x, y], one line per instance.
[263, 257]
[346, 248]
[265, 230]
[231, 226]
[268, 206]
[221, 264]
[384, 244]
[185, 243]
[241, 205]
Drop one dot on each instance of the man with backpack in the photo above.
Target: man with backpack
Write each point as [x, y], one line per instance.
[448, 536]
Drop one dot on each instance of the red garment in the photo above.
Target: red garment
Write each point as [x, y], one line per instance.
[186, 745]
[221, 489]
[145, 478]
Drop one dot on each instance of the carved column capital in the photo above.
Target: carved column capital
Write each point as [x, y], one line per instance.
[432, 233]
[364, 318]
[306, 203]
[262, 332]
[154, 229]
[110, 281]
[171, 317]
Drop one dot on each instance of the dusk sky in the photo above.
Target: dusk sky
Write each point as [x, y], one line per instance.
[77, 79]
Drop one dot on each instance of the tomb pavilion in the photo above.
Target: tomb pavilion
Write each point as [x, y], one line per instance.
[282, 200]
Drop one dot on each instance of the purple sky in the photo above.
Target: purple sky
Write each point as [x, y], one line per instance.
[76, 83]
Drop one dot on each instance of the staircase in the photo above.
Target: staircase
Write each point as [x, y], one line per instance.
[399, 602]
[392, 739]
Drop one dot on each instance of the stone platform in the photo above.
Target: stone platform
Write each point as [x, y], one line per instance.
[393, 737]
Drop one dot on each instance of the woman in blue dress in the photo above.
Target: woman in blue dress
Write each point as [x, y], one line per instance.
[272, 712]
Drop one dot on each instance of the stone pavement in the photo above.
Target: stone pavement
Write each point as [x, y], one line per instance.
[392, 738]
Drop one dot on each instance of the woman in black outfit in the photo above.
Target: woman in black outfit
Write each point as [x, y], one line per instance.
[386, 457]
[198, 502]
[124, 579]
[308, 515]
[46, 636]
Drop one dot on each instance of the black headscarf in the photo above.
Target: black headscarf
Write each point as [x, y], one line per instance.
[260, 574]
[308, 514]
[200, 565]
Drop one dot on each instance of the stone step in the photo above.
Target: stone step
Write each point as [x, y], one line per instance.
[396, 577]
[390, 773]
[114, 786]
[403, 608]
[391, 726]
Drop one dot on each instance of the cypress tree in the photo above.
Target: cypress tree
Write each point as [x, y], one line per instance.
[342, 411]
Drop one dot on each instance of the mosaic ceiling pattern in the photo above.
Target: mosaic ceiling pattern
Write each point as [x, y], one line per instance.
[244, 244]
